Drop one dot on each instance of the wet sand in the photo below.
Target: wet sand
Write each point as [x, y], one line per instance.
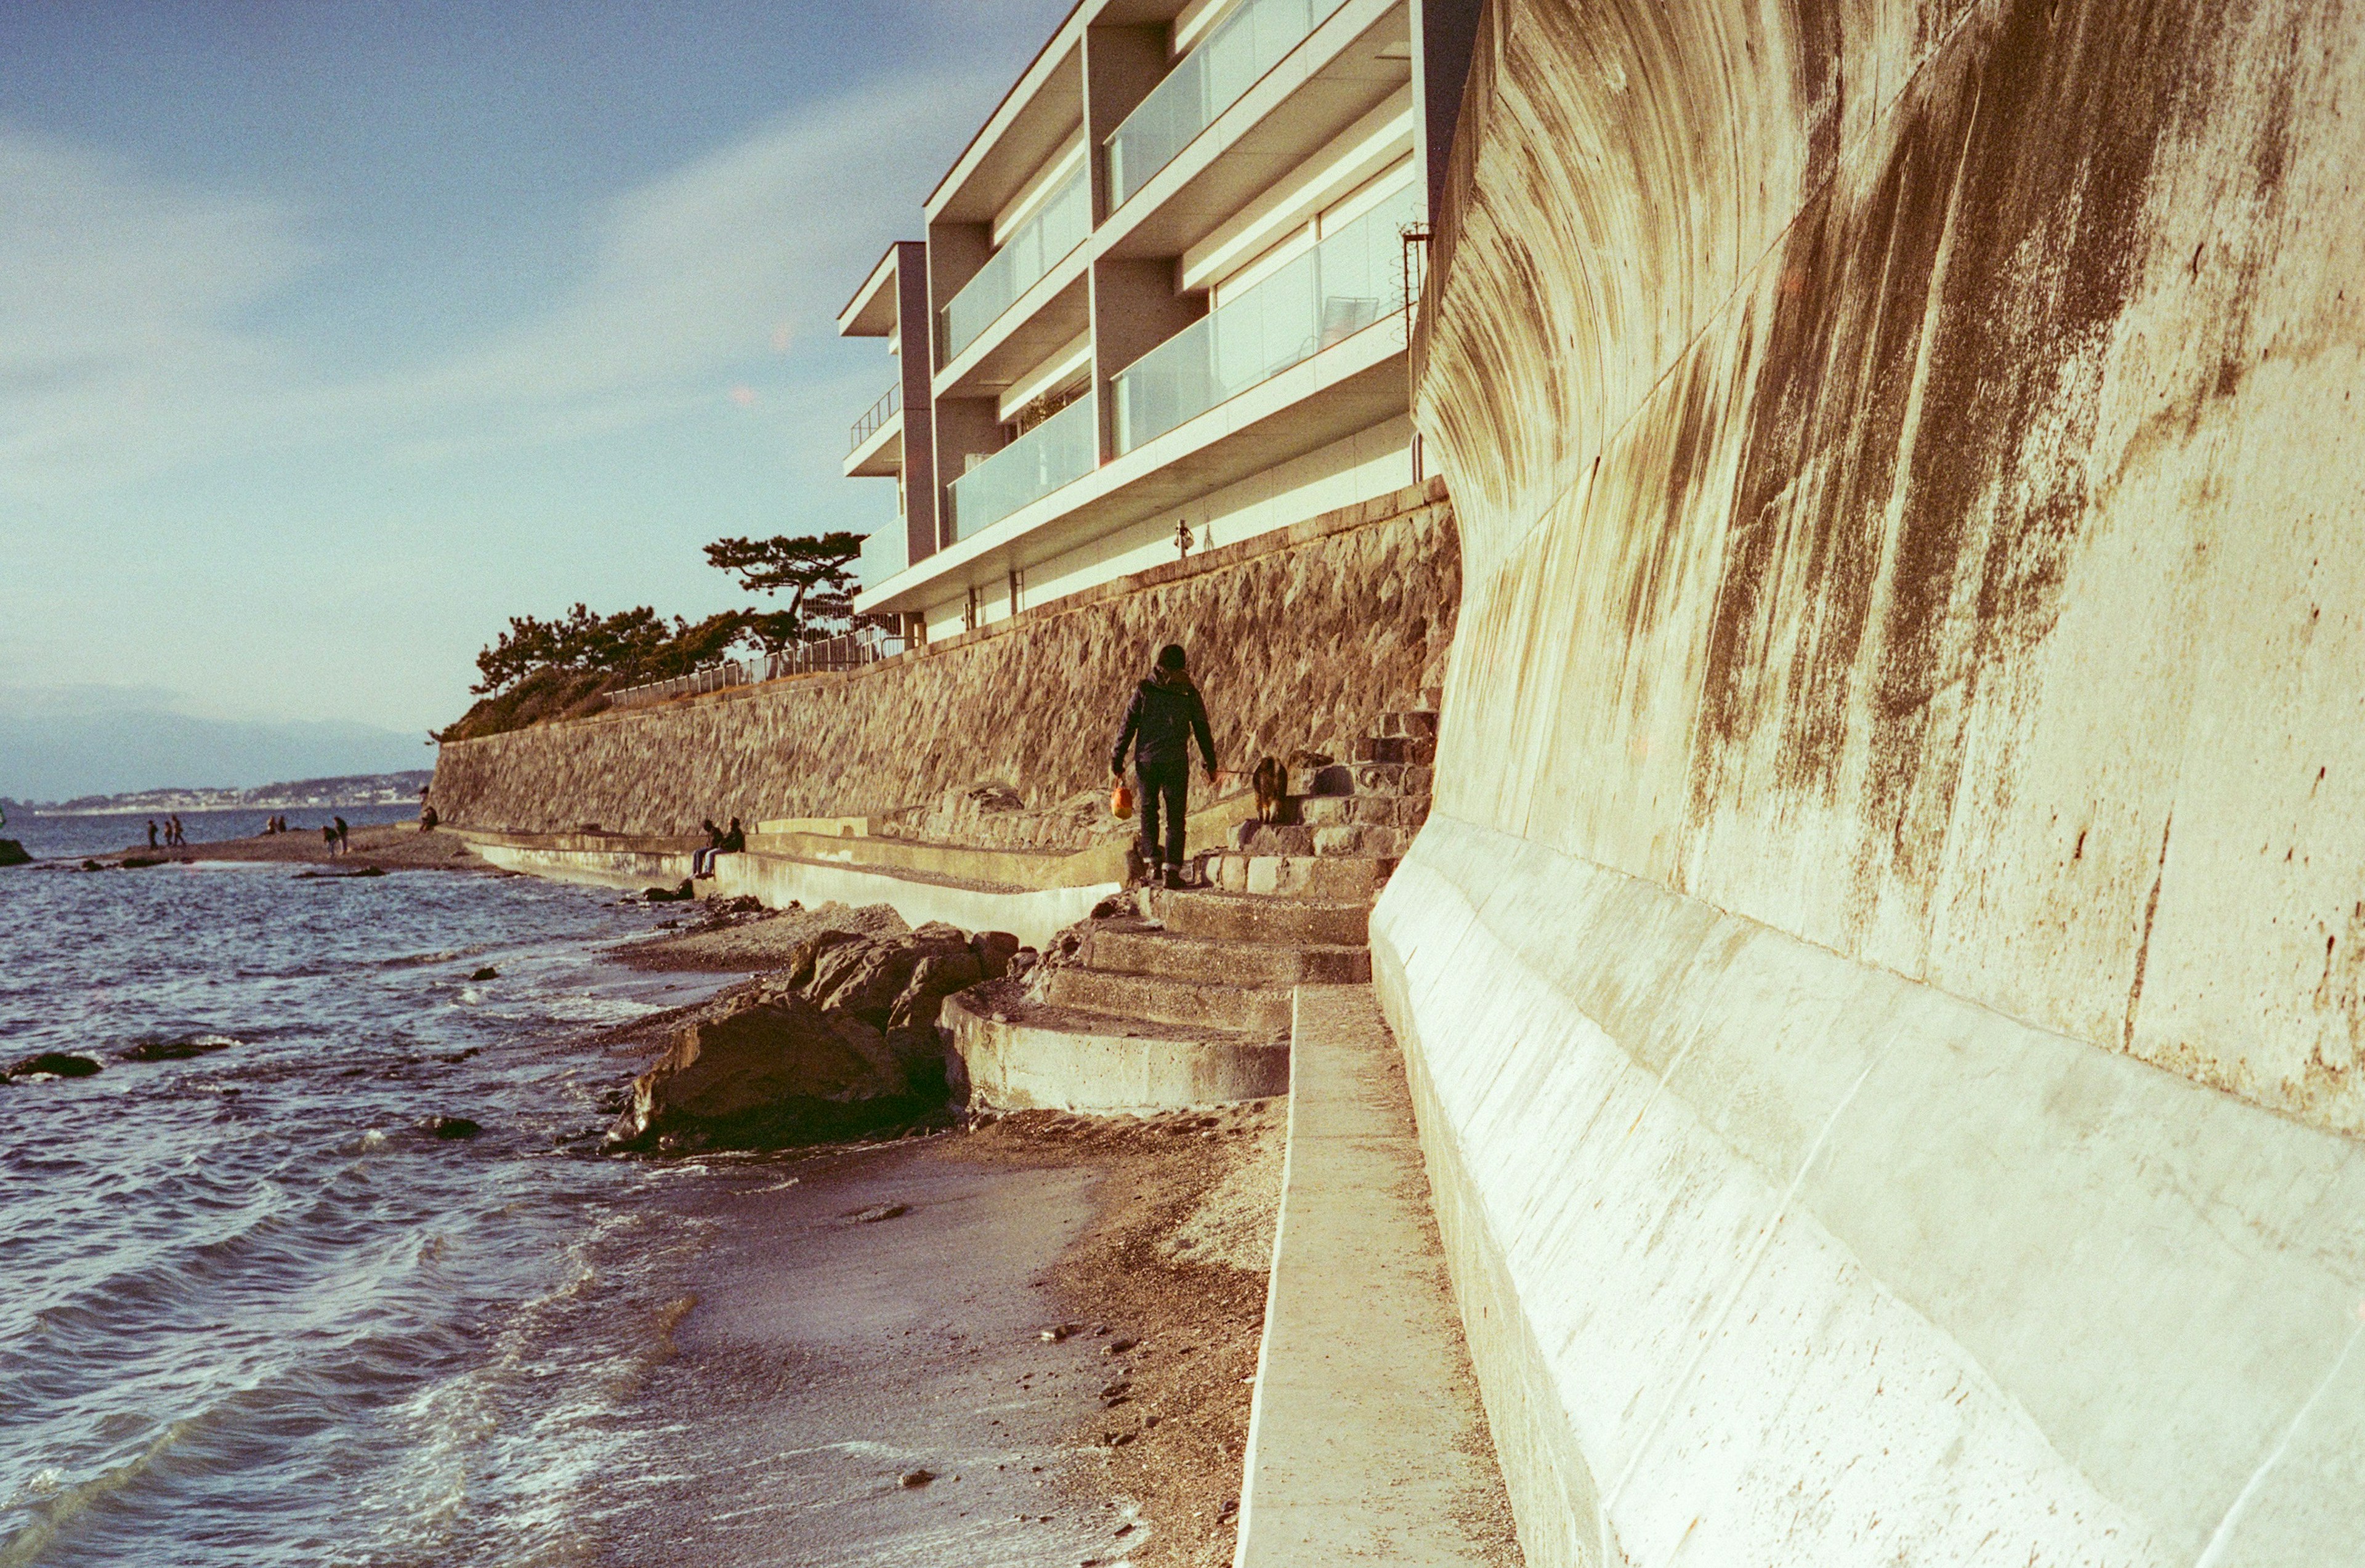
[836, 1344]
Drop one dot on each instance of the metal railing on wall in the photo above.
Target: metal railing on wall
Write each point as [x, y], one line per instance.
[863, 645]
[880, 412]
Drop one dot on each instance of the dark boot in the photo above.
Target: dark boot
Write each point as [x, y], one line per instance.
[1175, 877]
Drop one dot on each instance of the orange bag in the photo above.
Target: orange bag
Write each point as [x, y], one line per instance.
[1121, 801]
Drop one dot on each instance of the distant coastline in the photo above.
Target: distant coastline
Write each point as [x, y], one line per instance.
[295, 795]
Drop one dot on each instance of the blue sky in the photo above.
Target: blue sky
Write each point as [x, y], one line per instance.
[332, 334]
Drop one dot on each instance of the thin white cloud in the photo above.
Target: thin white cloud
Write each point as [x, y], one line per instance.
[125, 347]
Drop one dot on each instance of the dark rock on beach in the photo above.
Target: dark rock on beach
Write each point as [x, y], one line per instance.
[485, 973]
[55, 1064]
[769, 1070]
[839, 1041]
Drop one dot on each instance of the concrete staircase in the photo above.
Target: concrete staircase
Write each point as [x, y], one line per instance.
[1185, 997]
[1343, 825]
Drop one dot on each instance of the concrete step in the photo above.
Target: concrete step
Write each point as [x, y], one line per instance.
[1017, 1055]
[1367, 1442]
[1360, 841]
[1351, 838]
[1314, 875]
[1165, 999]
[1253, 837]
[1421, 749]
[1406, 811]
[1260, 963]
[1240, 917]
[1362, 779]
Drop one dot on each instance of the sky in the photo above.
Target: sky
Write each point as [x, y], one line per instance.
[333, 334]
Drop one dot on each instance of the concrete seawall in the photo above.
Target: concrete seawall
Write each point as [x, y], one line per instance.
[1882, 980]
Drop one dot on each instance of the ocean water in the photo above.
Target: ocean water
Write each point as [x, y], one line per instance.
[75, 836]
[255, 1312]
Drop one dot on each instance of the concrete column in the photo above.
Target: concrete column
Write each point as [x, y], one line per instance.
[1443, 33]
[915, 341]
[1121, 65]
[1135, 307]
[964, 425]
[955, 251]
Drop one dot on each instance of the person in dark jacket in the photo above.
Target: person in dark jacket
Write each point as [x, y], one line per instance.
[734, 841]
[1166, 712]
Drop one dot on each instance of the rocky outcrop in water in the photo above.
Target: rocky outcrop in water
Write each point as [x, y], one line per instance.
[839, 1041]
[50, 1064]
[13, 852]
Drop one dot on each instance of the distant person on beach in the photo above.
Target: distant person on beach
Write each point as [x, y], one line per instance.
[344, 837]
[328, 838]
[173, 831]
[152, 832]
[1166, 713]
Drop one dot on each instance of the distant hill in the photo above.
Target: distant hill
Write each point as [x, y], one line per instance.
[299, 794]
[70, 744]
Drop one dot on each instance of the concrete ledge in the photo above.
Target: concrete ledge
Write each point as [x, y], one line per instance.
[628, 868]
[1768, 1257]
[1366, 1443]
[1034, 915]
[1049, 1058]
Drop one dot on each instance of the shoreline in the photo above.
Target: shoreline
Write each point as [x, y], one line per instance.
[1001, 1310]
[1062, 1311]
[384, 847]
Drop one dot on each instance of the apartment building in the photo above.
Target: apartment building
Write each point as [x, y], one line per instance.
[1166, 288]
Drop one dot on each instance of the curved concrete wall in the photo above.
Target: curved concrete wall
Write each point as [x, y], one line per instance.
[1883, 974]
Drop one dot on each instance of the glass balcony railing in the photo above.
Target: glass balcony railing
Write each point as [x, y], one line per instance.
[880, 412]
[884, 554]
[1333, 291]
[1058, 225]
[1207, 81]
[1061, 449]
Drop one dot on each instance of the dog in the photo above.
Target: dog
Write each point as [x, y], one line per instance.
[1272, 783]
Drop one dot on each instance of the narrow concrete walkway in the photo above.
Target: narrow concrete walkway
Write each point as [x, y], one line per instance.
[1366, 1443]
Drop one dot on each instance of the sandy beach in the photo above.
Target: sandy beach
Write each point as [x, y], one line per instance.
[1061, 1311]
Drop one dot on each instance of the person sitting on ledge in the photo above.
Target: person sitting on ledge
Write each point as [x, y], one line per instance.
[701, 861]
[1166, 712]
[735, 841]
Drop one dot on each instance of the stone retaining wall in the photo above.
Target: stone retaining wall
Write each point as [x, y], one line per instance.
[1300, 637]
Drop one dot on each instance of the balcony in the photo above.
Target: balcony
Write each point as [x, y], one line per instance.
[876, 449]
[1324, 296]
[890, 404]
[1209, 80]
[885, 552]
[1058, 451]
[1063, 222]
